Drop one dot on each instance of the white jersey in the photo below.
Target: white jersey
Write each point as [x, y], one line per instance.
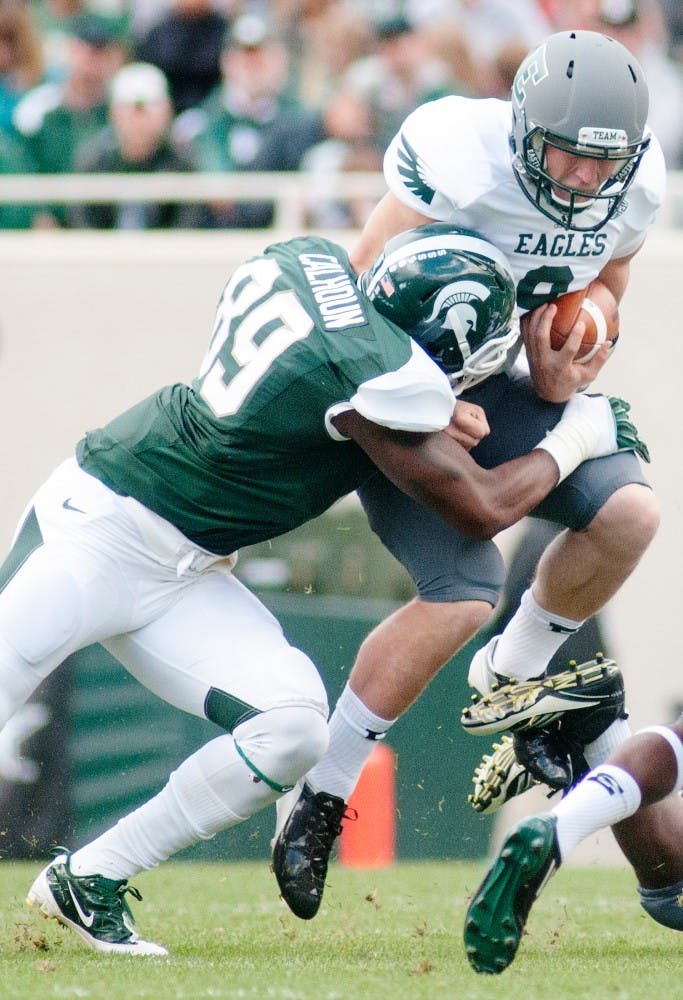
[452, 161]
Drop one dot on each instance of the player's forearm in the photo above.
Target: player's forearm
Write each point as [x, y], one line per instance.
[441, 475]
[435, 470]
[480, 503]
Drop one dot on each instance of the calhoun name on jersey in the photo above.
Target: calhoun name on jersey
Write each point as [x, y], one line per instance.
[248, 451]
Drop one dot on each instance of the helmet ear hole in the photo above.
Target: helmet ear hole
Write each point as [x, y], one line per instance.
[453, 292]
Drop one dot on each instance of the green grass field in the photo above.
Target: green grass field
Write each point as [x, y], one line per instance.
[394, 933]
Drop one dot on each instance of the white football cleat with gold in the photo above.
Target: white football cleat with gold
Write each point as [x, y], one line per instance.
[498, 778]
[515, 705]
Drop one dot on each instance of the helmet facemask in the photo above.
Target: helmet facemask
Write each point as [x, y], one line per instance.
[572, 207]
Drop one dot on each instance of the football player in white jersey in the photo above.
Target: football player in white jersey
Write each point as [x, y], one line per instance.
[565, 178]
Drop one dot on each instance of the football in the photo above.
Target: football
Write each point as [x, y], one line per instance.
[597, 308]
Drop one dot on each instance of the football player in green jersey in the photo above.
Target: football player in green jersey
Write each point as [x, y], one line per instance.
[312, 380]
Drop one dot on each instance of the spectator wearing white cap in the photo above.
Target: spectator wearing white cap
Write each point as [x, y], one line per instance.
[137, 139]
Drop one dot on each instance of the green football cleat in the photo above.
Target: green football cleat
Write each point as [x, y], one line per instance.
[519, 705]
[93, 906]
[497, 915]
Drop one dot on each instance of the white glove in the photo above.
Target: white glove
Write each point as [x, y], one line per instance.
[587, 430]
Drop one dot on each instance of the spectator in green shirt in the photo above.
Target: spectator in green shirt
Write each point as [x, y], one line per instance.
[55, 117]
[13, 160]
[249, 122]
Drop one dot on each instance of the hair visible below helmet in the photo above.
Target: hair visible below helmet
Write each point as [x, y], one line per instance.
[453, 292]
[584, 93]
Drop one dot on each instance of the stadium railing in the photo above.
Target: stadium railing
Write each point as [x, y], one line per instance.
[292, 193]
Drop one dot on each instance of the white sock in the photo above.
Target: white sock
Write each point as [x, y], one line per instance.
[530, 640]
[210, 791]
[603, 797]
[599, 750]
[350, 746]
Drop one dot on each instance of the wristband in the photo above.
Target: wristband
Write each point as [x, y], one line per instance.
[567, 444]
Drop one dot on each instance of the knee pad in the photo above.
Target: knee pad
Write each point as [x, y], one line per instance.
[282, 744]
[664, 905]
[18, 680]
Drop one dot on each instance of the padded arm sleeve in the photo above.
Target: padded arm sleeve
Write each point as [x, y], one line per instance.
[416, 397]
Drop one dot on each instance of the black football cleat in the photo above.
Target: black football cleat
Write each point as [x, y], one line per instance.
[552, 756]
[302, 849]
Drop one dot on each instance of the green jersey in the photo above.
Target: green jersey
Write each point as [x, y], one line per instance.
[248, 451]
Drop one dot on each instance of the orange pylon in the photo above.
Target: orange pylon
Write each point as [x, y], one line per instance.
[370, 841]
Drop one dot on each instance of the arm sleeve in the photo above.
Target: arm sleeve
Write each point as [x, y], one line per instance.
[416, 397]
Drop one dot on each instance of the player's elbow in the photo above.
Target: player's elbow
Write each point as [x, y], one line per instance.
[481, 530]
[475, 510]
[480, 522]
[490, 511]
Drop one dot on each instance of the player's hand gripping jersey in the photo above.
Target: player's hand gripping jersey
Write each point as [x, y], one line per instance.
[248, 451]
[452, 161]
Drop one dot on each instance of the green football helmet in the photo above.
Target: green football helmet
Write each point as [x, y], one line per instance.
[453, 292]
[585, 94]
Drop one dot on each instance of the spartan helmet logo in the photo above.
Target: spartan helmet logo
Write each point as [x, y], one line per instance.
[461, 315]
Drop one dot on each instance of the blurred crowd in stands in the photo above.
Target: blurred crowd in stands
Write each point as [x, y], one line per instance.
[294, 85]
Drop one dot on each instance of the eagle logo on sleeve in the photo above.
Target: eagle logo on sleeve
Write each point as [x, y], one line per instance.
[412, 171]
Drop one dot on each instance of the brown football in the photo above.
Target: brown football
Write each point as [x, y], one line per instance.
[597, 308]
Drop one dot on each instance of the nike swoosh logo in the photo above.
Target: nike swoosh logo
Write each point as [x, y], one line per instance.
[67, 505]
[87, 919]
